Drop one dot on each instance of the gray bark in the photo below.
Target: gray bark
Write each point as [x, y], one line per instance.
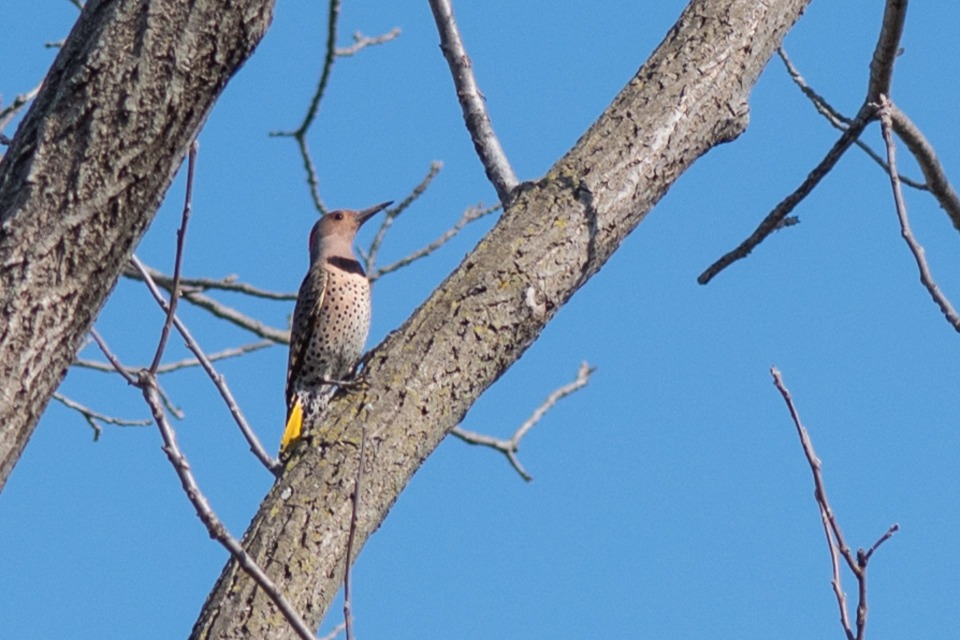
[87, 169]
[555, 234]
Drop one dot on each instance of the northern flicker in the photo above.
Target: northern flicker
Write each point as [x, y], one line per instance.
[330, 321]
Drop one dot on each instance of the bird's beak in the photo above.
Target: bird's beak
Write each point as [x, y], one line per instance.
[366, 214]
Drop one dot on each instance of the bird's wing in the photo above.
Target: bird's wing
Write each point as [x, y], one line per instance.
[306, 313]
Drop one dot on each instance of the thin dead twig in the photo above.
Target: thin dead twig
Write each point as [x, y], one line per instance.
[351, 536]
[835, 542]
[178, 261]
[937, 181]
[186, 363]
[219, 381]
[919, 255]
[361, 42]
[93, 418]
[201, 505]
[510, 446]
[370, 256]
[837, 119]
[475, 115]
[8, 113]
[198, 285]
[881, 72]
[471, 214]
[214, 307]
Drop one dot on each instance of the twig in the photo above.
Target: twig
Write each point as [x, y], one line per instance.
[835, 542]
[881, 72]
[197, 285]
[186, 363]
[218, 380]
[370, 256]
[361, 42]
[887, 49]
[471, 214]
[19, 102]
[915, 247]
[216, 308]
[300, 133]
[937, 181]
[485, 141]
[122, 370]
[93, 417]
[334, 632]
[510, 446]
[347, 612]
[837, 119]
[777, 219]
[201, 505]
[178, 260]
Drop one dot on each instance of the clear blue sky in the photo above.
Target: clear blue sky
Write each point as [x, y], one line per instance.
[671, 498]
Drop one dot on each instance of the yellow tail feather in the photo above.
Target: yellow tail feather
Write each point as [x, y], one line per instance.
[291, 433]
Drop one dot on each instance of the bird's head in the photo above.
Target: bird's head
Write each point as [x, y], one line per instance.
[333, 234]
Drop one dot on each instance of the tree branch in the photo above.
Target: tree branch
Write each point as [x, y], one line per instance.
[553, 236]
[837, 119]
[881, 72]
[510, 446]
[835, 542]
[219, 381]
[87, 169]
[485, 141]
[919, 255]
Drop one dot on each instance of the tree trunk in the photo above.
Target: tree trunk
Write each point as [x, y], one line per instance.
[554, 235]
[87, 170]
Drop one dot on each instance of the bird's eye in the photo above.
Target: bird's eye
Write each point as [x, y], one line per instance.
[338, 216]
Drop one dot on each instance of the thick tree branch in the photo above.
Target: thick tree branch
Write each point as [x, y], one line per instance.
[554, 235]
[88, 168]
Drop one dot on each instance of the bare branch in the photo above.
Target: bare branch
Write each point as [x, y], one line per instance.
[361, 42]
[351, 537]
[218, 380]
[370, 256]
[19, 102]
[471, 214]
[300, 133]
[334, 632]
[122, 370]
[216, 308]
[509, 447]
[196, 285]
[937, 181]
[835, 541]
[887, 49]
[485, 141]
[837, 119]
[777, 219]
[881, 72]
[186, 363]
[93, 417]
[201, 505]
[915, 247]
[178, 261]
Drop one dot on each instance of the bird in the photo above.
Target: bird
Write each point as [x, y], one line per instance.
[331, 319]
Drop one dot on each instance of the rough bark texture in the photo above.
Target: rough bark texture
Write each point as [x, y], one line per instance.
[556, 233]
[87, 170]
